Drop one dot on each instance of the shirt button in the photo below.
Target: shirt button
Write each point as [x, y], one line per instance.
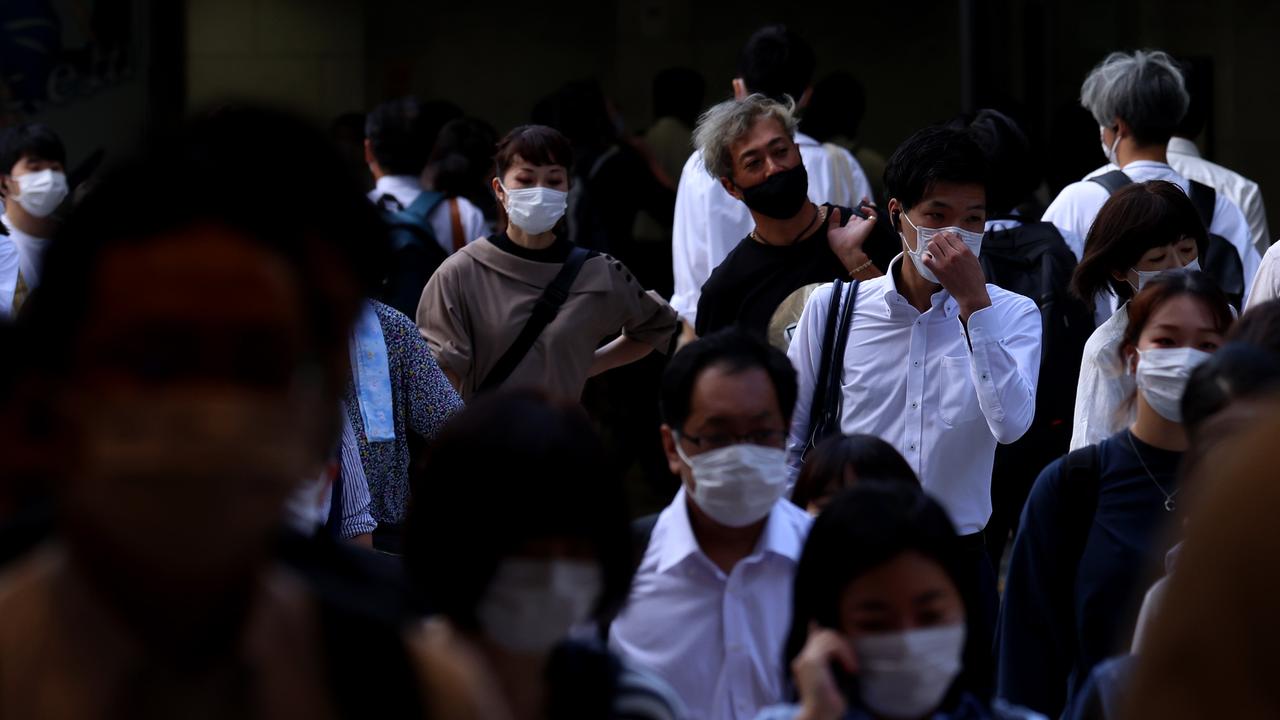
[914, 404]
[917, 363]
[912, 446]
[984, 376]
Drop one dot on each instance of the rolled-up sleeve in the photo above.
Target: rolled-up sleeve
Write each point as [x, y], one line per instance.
[357, 519]
[1004, 364]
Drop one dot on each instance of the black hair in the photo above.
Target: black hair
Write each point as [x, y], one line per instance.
[930, 156]
[1236, 371]
[836, 108]
[30, 140]
[401, 132]
[1140, 216]
[1011, 174]
[463, 158]
[776, 62]
[870, 457]
[678, 92]
[863, 528]
[512, 467]
[735, 349]
[536, 144]
[1259, 326]
[317, 220]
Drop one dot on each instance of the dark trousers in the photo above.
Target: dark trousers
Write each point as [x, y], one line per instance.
[985, 594]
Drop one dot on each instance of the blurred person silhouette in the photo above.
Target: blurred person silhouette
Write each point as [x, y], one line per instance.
[347, 133]
[709, 223]
[834, 116]
[841, 462]
[1095, 517]
[33, 183]
[538, 564]
[885, 623]
[1137, 100]
[461, 166]
[191, 359]
[527, 307]
[399, 136]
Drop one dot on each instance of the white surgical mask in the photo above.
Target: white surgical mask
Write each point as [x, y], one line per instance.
[531, 604]
[40, 193]
[535, 210]
[1162, 377]
[1146, 276]
[972, 240]
[907, 674]
[739, 484]
[1109, 150]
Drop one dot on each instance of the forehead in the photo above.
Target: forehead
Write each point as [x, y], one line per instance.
[1184, 312]
[722, 394]
[954, 196]
[199, 275]
[519, 163]
[764, 131]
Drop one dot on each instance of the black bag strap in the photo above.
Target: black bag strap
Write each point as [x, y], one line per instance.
[1204, 198]
[544, 311]
[824, 410]
[1113, 180]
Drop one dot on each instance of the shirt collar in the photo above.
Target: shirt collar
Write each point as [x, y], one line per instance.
[802, 139]
[1182, 146]
[894, 299]
[389, 184]
[679, 542]
[1147, 163]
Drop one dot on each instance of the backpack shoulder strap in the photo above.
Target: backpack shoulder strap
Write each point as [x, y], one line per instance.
[1113, 180]
[544, 311]
[1204, 198]
[422, 206]
[1080, 496]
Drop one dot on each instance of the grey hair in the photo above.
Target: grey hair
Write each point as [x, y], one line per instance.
[725, 123]
[1144, 89]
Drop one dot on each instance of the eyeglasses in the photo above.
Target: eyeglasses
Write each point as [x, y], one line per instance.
[768, 438]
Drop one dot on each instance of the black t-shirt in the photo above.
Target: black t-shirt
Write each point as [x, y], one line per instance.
[556, 252]
[756, 280]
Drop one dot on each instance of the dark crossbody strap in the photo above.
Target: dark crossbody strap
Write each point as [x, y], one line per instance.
[1113, 181]
[824, 411]
[544, 311]
[1204, 198]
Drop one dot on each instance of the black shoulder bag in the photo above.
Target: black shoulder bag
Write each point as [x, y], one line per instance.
[824, 411]
[544, 311]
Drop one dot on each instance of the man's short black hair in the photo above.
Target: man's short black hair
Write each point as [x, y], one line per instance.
[776, 62]
[1012, 173]
[401, 133]
[30, 140]
[932, 155]
[735, 349]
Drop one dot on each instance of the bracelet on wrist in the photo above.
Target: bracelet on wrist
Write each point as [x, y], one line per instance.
[860, 268]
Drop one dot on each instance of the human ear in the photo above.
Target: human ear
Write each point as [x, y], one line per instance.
[731, 188]
[674, 463]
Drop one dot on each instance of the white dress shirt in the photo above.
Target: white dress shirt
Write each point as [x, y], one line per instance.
[9, 263]
[1266, 284]
[1078, 204]
[709, 222]
[716, 638]
[911, 379]
[406, 188]
[30, 253]
[1104, 386]
[1184, 158]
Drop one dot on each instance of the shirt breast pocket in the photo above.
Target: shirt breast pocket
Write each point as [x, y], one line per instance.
[958, 399]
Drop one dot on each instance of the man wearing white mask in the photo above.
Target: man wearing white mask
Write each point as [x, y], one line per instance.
[34, 184]
[937, 362]
[711, 599]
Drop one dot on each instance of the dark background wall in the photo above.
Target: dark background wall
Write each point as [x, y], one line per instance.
[920, 61]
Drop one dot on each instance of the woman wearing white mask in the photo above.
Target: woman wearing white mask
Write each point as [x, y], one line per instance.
[33, 185]
[509, 566]
[883, 613]
[1095, 521]
[1144, 230]
[478, 310]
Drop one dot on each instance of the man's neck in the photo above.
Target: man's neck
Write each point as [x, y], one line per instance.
[918, 291]
[772, 231]
[1153, 153]
[23, 221]
[725, 546]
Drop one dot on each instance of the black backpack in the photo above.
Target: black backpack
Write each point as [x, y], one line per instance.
[415, 254]
[1034, 261]
[1221, 260]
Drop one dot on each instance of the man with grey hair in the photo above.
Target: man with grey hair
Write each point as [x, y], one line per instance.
[1138, 100]
[777, 63]
[749, 146]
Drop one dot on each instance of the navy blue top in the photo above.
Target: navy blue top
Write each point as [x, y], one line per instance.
[1078, 570]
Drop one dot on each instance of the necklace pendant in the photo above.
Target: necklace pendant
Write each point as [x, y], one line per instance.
[1169, 505]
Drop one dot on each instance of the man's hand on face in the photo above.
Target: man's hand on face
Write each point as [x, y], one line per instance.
[958, 270]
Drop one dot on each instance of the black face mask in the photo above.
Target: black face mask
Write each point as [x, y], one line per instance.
[781, 195]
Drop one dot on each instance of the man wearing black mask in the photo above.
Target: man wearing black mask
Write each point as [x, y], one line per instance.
[750, 146]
